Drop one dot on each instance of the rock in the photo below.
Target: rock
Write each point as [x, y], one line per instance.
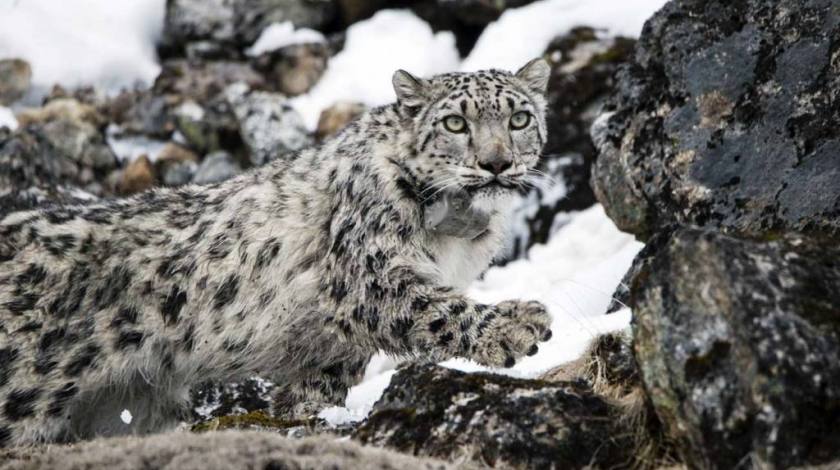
[190, 22]
[252, 16]
[269, 126]
[466, 19]
[140, 112]
[211, 400]
[727, 119]
[138, 176]
[499, 421]
[61, 109]
[213, 451]
[294, 69]
[582, 68]
[357, 10]
[218, 166]
[478, 12]
[15, 80]
[336, 117]
[58, 146]
[200, 82]
[176, 165]
[737, 343]
[220, 29]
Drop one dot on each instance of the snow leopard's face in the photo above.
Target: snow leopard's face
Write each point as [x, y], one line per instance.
[477, 132]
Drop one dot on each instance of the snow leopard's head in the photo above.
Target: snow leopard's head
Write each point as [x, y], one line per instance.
[480, 132]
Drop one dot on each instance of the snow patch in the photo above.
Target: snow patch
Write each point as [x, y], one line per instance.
[127, 148]
[279, 35]
[126, 417]
[522, 34]
[7, 118]
[83, 42]
[374, 49]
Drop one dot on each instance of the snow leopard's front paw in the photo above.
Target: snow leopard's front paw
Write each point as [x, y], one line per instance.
[514, 329]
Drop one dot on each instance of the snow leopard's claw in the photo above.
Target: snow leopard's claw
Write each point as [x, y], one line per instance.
[513, 334]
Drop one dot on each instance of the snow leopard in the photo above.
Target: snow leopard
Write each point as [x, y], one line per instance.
[297, 271]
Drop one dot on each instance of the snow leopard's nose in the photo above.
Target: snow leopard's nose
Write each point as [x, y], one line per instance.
[496, 164]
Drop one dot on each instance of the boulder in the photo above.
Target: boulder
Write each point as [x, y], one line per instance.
[213, 451]
[478, 12]
[218, 166]
[337, 116]
[429, 410]
[138, 176]
[200, 25]
[200, 81]
[727, 118]
[269, 126]
[251, 17]
[140, 112]
[15, 80]
[295, 69]
[737, 342]
[175, 165]
[58, 146]
[583, 64]
[220, 29]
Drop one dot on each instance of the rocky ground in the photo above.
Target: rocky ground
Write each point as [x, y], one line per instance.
[715, 140]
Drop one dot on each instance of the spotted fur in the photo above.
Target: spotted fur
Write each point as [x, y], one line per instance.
[297, 271]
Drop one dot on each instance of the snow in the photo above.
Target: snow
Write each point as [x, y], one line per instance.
[81, 42]
[127, 148]
[280, 35]
[374, 49]
[574, 275]
[522, 34]
[126, 417]
[7, 118]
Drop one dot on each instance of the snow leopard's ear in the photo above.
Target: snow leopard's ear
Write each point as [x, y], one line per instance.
[535, 75]
[411, 91]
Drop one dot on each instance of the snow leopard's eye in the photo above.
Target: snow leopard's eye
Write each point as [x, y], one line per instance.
[455, 124]
[520, 120]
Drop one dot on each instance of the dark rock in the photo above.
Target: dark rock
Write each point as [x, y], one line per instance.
[478, 12]
[251, 17]
[466, 19]
[15, 80]
[737, 342]
[582, 70]
[727, 118]
[352, 11]
[212, 400]
[218, 166]
[294, 69]
[496, 420]
[269, 126]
